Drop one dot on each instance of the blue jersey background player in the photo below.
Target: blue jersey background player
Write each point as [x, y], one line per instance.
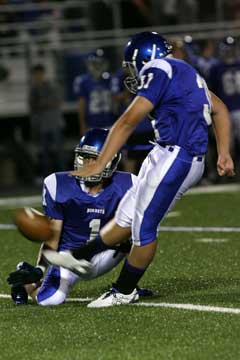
[177, 98]
[79, 209]
[224, 77]
[224, 81]
[94, 93]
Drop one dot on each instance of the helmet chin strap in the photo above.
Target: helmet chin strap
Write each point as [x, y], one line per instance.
[93, 188]
[92, 184]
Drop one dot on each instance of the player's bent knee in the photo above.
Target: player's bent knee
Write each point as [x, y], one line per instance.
[56, 299]
[145, 240]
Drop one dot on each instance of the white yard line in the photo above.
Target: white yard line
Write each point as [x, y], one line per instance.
[11, 202]
[212, 240]
[7, 227]
[216, 309]
[173, 214]
[214, 189]
[6, 296]
[216, 229]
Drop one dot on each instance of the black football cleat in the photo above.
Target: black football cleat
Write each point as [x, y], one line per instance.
[19, 295]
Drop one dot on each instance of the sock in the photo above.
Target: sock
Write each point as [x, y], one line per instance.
[93, 247]
[128, 278]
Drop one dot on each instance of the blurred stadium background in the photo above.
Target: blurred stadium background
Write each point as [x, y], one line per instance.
[59, 35]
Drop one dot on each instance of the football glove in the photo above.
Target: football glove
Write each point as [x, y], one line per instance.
[26, 274]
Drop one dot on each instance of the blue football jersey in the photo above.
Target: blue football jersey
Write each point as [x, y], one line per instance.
[182, 104]
[83, 214]
[224, 81]
[98, 95]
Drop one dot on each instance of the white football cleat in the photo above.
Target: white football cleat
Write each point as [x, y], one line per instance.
[114, 297]
[67, 261]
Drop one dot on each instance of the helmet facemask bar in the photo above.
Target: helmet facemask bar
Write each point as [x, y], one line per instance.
[80, 154]
[131, 80]
[111, 166]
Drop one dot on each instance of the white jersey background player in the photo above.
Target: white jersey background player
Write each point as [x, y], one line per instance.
[176, 97]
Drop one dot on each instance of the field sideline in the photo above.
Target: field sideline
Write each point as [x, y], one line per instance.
[193, 307]
[194, 313]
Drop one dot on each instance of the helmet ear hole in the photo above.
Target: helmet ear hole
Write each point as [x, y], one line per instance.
[146, 59]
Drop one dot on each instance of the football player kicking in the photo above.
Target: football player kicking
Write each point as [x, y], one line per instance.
[181, 108]
[78, 208]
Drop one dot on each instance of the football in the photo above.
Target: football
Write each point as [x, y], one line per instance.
[34, 225]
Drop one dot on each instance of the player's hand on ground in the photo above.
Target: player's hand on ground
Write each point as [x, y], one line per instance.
[88, 170]
[25, 275]
[225, 165]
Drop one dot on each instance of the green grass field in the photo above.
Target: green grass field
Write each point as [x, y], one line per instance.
[197, 268]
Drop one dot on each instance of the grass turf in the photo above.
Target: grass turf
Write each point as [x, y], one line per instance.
[184, 271]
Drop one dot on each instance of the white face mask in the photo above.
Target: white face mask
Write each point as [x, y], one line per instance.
[131, 80]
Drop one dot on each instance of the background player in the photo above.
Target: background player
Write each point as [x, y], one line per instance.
[224, 81]
[94, 91]
[79, 208]
[182, 109]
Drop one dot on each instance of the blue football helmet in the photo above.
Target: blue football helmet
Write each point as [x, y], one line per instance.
[228, 50]
[90, 146]
[96, 63]
[140, 49]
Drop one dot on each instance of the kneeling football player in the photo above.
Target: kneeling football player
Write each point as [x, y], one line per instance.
[79, 208]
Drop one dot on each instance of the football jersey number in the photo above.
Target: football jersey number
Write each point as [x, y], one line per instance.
[145, 81]
[100, 102]
[206, 107]
[95, 227]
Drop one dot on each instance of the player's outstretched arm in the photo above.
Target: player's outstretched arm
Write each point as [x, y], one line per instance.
[222, 129]
[118, 135]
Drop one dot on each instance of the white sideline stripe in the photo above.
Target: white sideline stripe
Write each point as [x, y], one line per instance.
[168, 228]
[207, 308]
[214, 189]
[199, 229]
[20, 201]
[173, 214]
[36, 199]
[7, 227]
[6, 296]
[216, 309]
[211, 240]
